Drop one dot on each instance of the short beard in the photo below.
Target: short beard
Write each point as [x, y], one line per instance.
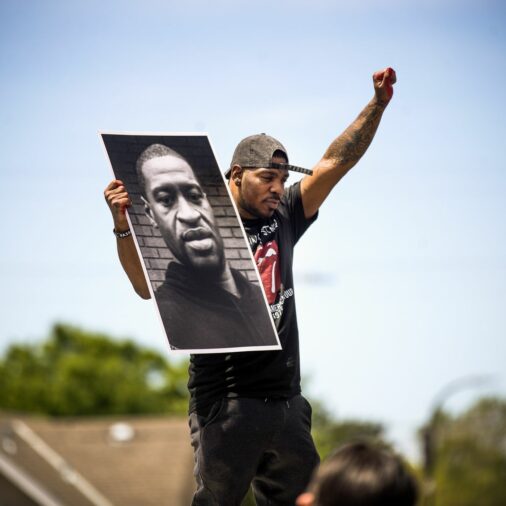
[250, 209]
[208, 273]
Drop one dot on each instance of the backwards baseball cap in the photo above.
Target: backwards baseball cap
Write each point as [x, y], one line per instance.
[256, 151]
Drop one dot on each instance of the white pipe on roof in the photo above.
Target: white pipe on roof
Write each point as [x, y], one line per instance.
[33, 489]
[56, 461]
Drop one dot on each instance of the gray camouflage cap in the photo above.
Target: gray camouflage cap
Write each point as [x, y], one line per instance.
[256, 151]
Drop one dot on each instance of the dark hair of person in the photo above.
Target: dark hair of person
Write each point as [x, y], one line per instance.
[153, 151]
[361, 474]
[280, 154]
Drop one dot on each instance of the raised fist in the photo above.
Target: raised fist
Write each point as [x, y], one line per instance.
[383, 84]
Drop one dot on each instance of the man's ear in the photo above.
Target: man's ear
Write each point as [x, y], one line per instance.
[305, 499]
[236, 175]
[148, 212]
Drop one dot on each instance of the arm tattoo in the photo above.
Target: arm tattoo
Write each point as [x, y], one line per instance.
[349, 147]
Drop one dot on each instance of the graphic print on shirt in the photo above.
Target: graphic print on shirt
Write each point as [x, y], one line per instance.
[265, 249]
[267, 260]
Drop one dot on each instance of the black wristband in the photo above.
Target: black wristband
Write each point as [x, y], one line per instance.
[122, 235]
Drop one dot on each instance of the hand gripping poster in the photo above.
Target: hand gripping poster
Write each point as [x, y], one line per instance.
[192, 246]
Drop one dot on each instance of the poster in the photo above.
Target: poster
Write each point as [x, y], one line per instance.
[191, 242]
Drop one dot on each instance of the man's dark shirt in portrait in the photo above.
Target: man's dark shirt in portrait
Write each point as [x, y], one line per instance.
[199, 314]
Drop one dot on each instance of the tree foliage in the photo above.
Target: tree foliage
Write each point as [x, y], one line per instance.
[470, 464]
[74, 372]
[329, 432]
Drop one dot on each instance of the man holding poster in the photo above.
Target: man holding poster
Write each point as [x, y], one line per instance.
[249, 422]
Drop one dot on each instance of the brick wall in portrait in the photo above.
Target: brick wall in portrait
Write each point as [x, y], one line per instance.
[123, 151]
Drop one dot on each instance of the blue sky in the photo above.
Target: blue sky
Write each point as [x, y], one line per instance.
[412, 243]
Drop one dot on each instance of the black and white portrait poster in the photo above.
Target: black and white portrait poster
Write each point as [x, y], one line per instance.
[191, 242]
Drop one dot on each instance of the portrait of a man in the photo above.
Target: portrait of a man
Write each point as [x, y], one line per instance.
[205, 304]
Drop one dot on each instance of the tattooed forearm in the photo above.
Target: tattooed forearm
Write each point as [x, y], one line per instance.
[349, 147]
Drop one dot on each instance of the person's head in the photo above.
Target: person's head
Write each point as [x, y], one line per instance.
[361, 474]
[176, 205]
[256, 186]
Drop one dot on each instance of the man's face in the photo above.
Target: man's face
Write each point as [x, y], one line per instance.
[260, 191]
[176, 204]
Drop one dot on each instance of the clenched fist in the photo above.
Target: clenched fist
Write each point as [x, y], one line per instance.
[383, 84]
[118, 200]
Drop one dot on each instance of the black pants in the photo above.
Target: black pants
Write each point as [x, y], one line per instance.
[264, 442]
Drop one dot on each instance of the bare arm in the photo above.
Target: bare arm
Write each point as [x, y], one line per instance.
[118, 200]
[349, 147]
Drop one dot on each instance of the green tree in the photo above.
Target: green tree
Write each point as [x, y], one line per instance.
[330, 432]
[75, 372]
[470, 456]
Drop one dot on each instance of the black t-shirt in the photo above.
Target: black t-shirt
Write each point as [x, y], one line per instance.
[264, 373]
[200, 314]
